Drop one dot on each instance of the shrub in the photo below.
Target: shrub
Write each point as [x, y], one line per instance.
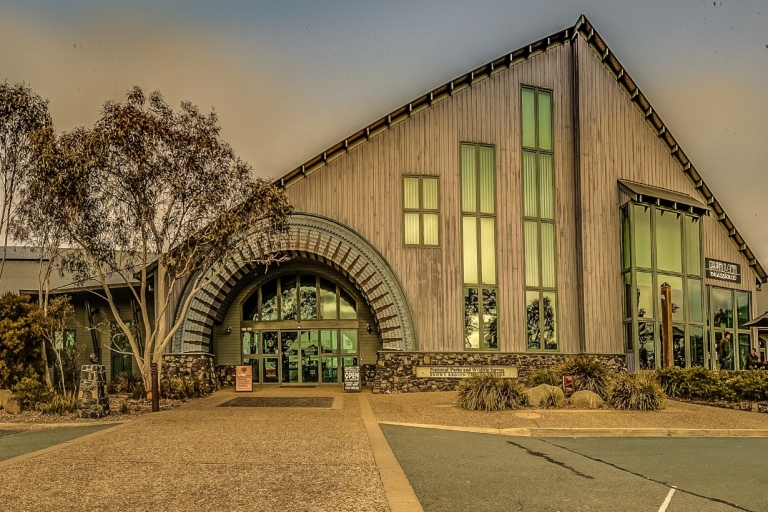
[490, 393]
[700, 383]
[112, 387]
[638, 391]
[749, 385]
[182, 388]
[554, 399]
[30, 391]
[58, 404]
[139, 392]
[588, 373]
[543, 377]
[124, 409]
[672, 380]
[20, 348]
[126, 381]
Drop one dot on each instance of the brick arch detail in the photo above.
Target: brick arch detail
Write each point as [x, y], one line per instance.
[317, 238]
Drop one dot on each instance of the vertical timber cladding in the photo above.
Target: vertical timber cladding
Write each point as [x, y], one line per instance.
[327, 241]
[363, 190]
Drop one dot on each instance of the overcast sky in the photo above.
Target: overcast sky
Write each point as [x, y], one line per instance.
[289, 79]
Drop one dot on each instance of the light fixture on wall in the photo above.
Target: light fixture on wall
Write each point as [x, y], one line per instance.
[369, 328]
[229, 330]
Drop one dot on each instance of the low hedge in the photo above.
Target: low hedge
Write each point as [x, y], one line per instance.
[700, 383]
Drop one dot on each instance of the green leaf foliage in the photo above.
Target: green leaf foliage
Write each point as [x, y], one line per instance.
[19, 346]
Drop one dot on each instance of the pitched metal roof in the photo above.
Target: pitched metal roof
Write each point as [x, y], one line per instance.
[643, 192]
[587, 31]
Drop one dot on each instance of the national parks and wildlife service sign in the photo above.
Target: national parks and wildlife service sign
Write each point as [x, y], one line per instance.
[723, 270]
[464, 372]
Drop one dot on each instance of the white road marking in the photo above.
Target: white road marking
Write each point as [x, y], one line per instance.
[667, 499]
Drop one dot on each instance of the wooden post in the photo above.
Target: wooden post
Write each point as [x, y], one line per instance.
[666, 326]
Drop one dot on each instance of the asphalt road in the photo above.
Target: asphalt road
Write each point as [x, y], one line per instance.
[456, 471]
[17, 442]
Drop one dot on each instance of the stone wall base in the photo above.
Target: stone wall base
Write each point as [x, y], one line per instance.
[92, 399]
[193, 364]
[396, 371]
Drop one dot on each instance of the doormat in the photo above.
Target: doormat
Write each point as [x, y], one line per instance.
[322, 402]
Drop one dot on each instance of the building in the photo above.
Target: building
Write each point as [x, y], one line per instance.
[527, 210]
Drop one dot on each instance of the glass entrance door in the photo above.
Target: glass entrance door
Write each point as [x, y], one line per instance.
[300, 357]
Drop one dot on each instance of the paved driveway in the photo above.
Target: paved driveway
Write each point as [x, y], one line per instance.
[19, 442]
[453, 471]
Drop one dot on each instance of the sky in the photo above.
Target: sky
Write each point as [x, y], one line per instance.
[288, 79]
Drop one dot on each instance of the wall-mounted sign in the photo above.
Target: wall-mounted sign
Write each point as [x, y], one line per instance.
[243, 378]
[352, 378]
[723, 270]
[464, 372]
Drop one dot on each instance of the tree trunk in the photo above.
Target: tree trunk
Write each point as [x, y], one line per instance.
[46, 373]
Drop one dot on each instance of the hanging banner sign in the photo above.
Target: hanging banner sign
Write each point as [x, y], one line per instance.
[723, 270]
[243, 378]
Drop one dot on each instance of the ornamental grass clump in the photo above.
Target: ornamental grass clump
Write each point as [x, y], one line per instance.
[58, 404]
[490, 393]
[638, 391]
[538, 377]
[588, 374]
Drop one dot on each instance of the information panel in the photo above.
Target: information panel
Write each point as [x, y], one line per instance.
[352, 378]
[723, 270]
[464, 372]
[243, 378]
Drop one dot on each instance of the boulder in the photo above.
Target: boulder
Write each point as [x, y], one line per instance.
[5, 395]
[586, 400]
[12, 406]
[541, 392]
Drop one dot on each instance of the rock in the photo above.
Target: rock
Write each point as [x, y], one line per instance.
[541, 392]
[586, 400]
[11, 406]
[5, 394]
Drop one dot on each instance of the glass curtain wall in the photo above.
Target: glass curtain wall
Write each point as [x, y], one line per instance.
[539, 234]
[731, 339]
[299, 329]
[662, 245]
[478, 221]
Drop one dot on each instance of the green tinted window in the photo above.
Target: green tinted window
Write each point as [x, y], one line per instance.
[692, 245]
[529, 118]
[643, 236]
[545, 120]
[668, 241]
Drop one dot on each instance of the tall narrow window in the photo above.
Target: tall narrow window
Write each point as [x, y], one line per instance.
[539, 233]
[478, 209]
[421, 211]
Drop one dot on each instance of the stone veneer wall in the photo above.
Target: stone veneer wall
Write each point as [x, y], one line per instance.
[92, 399]
[192, 364]
[395, 371]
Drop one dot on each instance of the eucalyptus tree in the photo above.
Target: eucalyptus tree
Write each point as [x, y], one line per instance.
[23, 117]
[155, 200]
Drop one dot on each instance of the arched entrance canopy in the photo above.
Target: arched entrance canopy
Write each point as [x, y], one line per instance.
[320, 239]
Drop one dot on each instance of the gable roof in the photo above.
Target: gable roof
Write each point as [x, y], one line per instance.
[587, 31]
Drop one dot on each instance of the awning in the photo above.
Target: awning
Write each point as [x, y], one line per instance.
[759, 322]
[650, 194]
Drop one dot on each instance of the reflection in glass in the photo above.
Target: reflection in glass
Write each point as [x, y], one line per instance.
[269, 301]
[328, 342]
[330, 369]
[642, 236]
[490, 328]
[668, 241]
[469, 234]
[327, 300]
[545, 120]
[695, 303]
[744, 347]
[269, 339]
[678, 345]
[625, 239]
[533, 324]
[471, 319]
[676, 283]
[696, 337]
[309, 356]
[531, 234]
[722, 307]
[644, 295]
[347, 306]
[547, 255]
[251, 307]
[468, 179]
[646, 345]
[288, 297]
[487, 193]
[270, 370]
[250, 342]
[742, 308]
[411, 193]
[547, 186]
[488, 249]
[308, 295]
[530, 185]
[429, 186]
[254, 368]
[529, 118]
[348, 342]
[627, 295]
[290, 346]
[549, 324]
[430, 228]
[692, 245]
[411, 228]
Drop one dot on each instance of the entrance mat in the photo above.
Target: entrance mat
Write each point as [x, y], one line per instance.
[322, 402]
